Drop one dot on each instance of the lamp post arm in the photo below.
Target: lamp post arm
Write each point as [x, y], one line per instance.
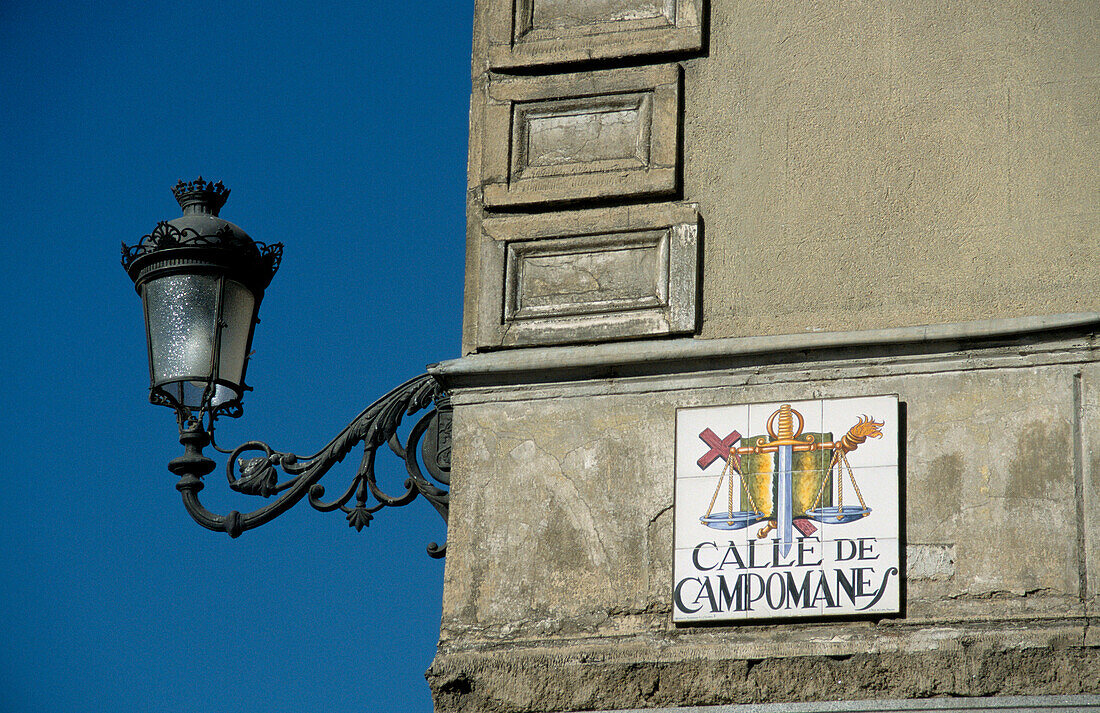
[376, 425]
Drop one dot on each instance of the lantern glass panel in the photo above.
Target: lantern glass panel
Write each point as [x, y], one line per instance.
[189, 393]
[180, 312]
[238, 307]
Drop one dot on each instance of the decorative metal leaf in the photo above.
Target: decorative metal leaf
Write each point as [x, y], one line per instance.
[258, 477]
[359, 518]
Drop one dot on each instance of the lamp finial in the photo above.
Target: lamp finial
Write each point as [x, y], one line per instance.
[200, 196]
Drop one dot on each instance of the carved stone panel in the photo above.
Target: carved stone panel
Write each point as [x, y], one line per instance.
[524, 33]
[588, 275]
[600, 133]
[581, 136]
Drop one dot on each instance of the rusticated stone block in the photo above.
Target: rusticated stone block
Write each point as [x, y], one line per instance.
[588, 275]
[526, 33]
[581, 136]
[538, 681]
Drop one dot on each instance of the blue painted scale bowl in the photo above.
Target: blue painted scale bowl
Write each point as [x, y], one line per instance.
[841, 514]
[737, 520]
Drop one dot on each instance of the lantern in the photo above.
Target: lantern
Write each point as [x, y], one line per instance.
[201, 281]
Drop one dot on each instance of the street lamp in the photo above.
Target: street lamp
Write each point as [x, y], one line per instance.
[201, 281]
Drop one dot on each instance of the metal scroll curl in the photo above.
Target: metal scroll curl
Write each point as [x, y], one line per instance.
[428, 443]
[167, 236]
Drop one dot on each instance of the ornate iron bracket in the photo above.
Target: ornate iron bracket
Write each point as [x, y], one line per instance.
[376, 425]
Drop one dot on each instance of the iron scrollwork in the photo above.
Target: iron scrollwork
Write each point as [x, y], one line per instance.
[167, 236]
[376, 425]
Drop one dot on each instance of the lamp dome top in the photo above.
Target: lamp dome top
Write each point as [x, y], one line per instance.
[201, 241]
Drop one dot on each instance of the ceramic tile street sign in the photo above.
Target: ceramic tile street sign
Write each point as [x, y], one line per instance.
[787, 509]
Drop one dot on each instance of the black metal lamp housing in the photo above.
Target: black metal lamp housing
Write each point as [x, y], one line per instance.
[201, 279]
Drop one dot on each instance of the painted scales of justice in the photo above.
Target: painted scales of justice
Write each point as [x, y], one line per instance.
[785, 478]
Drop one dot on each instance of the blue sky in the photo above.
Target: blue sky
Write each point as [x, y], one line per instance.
[341, 132]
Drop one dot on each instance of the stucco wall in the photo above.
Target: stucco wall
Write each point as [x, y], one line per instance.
[866, 164]
[856, 165]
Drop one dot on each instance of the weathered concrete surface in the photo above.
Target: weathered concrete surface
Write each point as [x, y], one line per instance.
[857, 166]
[1087, 386]
[558, 579]
[575, 681]
[570, 493]
[1072, 703]
[930, 562]
[865, 165]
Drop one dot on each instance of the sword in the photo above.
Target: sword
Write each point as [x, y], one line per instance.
[784, 500]
[783, 440]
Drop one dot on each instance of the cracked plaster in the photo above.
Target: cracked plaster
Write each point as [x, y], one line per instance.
[561, 526]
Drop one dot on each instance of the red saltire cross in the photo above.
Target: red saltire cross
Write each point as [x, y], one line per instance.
[720, 448]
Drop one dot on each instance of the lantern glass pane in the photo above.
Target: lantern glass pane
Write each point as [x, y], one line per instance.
[187, 393]
[237, 310]
[223, 394]
[180, 314]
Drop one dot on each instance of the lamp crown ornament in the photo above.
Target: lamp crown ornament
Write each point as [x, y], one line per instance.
[199, 196]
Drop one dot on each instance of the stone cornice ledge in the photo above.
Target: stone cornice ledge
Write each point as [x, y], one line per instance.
[691, 354]
[1015, 704]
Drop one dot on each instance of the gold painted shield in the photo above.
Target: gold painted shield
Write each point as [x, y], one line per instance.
[760, 472]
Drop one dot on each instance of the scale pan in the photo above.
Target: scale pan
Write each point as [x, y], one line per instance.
[842, 514]
[732, 521]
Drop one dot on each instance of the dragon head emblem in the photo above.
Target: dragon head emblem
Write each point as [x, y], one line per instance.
[866, 428]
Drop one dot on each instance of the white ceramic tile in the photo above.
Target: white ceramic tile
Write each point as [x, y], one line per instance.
[698, 430]
[725, 581]
[690, 446]
[703, 588]
[693, 498]
[863, 575]
[840, 415]
[880, 490]
[734, 574]
[789, 584]
[807, 421]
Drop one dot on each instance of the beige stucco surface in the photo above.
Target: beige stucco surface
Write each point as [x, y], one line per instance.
[1089, 461]
[865, 165]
